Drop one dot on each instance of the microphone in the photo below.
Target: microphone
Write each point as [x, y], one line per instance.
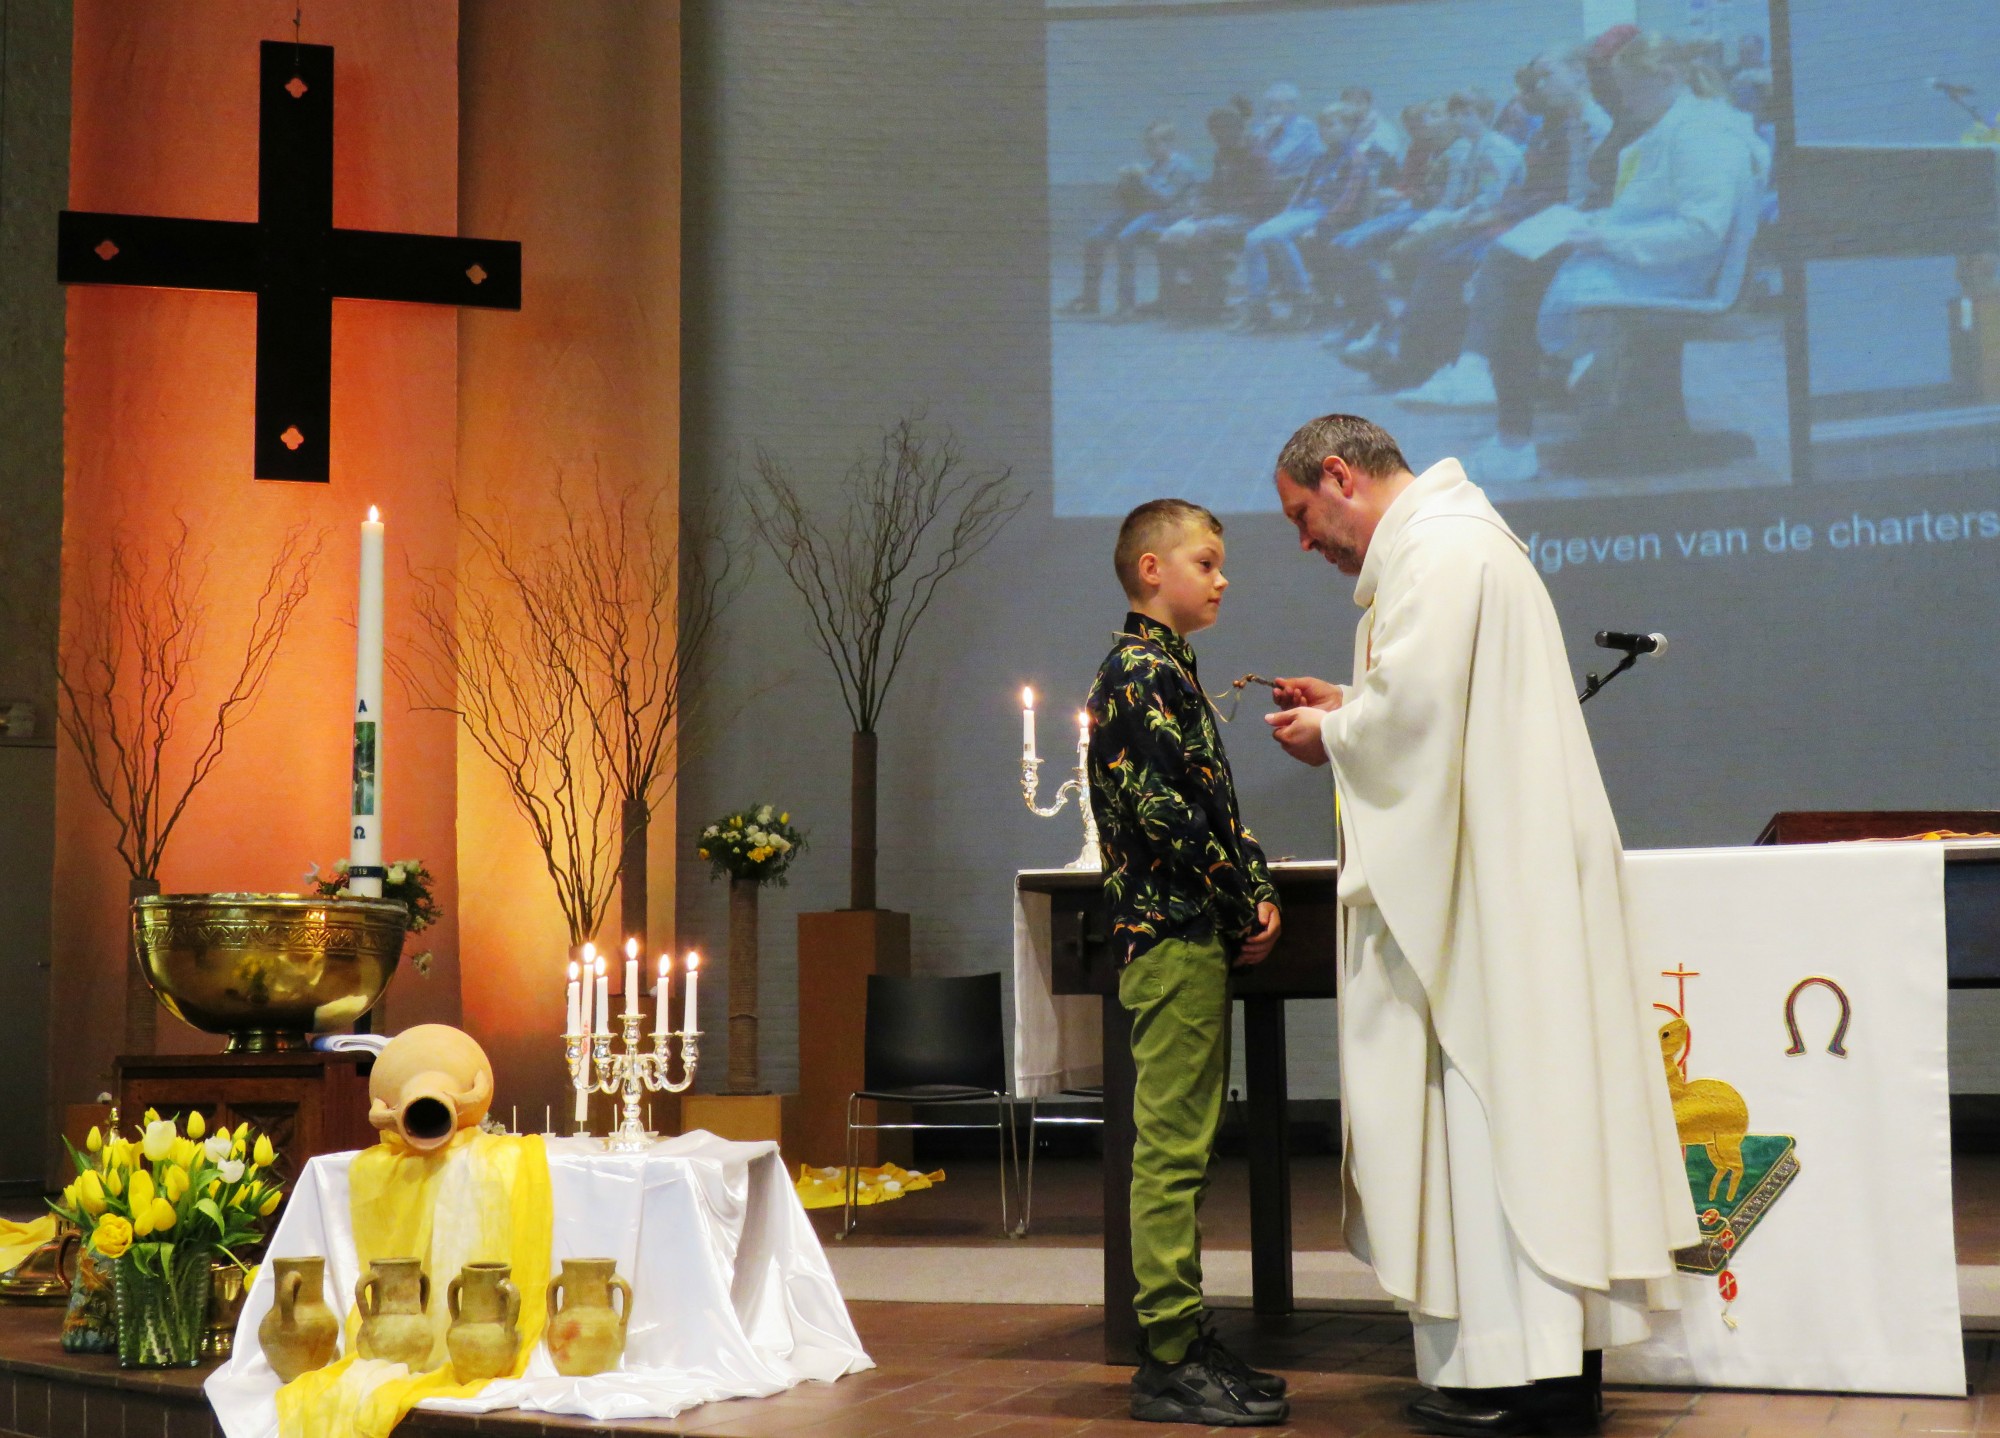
[1945, 87]
[1632, 643]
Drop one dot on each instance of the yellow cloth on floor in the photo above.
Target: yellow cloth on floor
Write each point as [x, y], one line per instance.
[18, 1240]
[823, 1187]
[481, 1198]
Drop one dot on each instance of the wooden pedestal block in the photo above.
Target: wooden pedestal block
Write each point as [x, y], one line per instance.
[310, 1103]
[837, 953]
[744, 1117]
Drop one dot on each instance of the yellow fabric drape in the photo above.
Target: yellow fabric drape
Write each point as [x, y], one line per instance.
[826, 1187]
[481, 1198]
[18, 1240]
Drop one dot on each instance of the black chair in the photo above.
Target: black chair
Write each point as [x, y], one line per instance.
[932, 1041]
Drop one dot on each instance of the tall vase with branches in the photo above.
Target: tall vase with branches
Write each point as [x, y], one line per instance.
[568, 659]
[125, 676]
[910, 514]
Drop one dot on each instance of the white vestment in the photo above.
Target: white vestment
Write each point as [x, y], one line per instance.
[1486, 958]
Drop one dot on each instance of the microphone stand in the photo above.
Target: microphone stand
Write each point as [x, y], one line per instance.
[1594, 683]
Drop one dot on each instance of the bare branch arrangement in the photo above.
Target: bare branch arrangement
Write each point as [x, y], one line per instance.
[569, 662]
[912, 514]
[124, 674]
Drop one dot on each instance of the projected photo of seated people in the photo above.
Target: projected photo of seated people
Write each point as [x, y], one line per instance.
[1465, 220]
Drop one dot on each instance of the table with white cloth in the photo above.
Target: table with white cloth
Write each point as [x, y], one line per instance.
[731, 1293]
[1846, 1276]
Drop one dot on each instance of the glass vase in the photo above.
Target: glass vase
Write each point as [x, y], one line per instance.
[162, 1304]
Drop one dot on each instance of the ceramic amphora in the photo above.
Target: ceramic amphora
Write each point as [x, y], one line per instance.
[393, 1297]
[485, 1335]
[428, 1083]
[300, 1332]
[586, 1334]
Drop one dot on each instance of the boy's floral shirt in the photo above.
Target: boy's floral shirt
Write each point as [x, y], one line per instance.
[1178, 863]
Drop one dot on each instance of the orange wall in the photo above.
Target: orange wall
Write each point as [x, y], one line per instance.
[158, 412]
[571, 144]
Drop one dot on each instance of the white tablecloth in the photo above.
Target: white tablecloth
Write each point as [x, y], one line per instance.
[731, 1293]
[1848, 1283]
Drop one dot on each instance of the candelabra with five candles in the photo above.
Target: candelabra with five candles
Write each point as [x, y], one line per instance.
[637, 1070]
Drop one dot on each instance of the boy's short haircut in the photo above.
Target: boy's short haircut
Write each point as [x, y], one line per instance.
[1149, 526]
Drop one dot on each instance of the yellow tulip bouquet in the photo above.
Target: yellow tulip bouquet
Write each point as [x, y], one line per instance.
[160, 1208]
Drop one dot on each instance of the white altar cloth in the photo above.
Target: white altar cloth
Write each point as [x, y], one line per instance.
[1849, 1283]
[731, 1293]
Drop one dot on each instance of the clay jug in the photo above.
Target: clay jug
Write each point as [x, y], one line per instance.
[484, 1336]
[394, 1297]
[300, 1332]
[586, 1334]
[428, 1083]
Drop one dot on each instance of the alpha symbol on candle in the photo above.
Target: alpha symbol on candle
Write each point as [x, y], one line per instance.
[361, 706]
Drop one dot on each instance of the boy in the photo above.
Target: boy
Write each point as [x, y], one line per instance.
[1188, 893]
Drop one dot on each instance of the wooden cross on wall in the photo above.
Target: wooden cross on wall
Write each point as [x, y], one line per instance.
[292, 259]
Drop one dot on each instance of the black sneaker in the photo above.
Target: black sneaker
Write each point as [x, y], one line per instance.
[1224, 1360]
[1194, 1391]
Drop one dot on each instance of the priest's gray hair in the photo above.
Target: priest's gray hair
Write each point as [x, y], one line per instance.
[1362, 443]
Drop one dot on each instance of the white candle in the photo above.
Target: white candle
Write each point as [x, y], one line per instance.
[1027, 724]
[575, 998]
[589, 965]
[632, 976]
[660, 993]
[693, 968]
[603, 1001]
[364, 855]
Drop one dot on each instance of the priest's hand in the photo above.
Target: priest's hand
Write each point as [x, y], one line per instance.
[1298, 734]
[1303, 693]
[1257, 947]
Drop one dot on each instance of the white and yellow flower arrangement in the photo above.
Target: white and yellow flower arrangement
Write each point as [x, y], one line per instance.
[160, 1206]
[758, 843]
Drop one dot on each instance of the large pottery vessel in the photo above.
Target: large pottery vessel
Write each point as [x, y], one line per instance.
[300, 1332]
[393, 1297]
[267, 969]
[587, 1335]
[485, 1336]
[428, 1083]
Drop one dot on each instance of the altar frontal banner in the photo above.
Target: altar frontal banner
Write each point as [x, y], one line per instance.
[1799, 997]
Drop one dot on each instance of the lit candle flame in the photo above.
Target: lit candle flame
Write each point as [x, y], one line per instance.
[574, 971]
[631, 948]
[666, 965]
[600, 968]
[374, 515]
[1027, 697]
[694, 959]
[589, 954]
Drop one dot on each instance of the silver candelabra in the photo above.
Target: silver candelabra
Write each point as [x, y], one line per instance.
[1077, 786]
[593, 1068]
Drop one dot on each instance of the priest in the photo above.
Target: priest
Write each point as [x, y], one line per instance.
[1512, 1170]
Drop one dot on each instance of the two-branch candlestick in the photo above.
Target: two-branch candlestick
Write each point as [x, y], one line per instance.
[1077, 786]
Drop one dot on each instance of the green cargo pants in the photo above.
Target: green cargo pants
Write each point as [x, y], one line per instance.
[1178, 995]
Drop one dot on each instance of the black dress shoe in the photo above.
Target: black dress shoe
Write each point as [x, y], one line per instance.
[1473, 1413]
